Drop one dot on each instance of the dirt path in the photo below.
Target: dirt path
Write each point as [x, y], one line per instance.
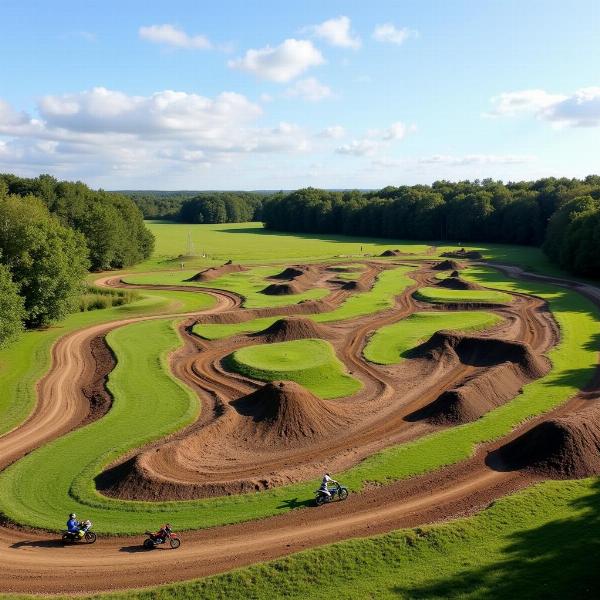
[35, 562]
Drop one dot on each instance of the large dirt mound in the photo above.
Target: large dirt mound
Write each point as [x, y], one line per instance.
[291, 328]
[462, 253]
[561, 448]
[456, 283]
[447, 265]
[392, 253]
[503, 368]
[357, 285]
[283, 289]
[295, 272]
[283, 413]
[216, 272]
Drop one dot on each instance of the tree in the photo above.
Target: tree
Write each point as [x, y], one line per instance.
[12, 309]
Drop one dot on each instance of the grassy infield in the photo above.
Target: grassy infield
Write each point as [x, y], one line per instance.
[516, 548]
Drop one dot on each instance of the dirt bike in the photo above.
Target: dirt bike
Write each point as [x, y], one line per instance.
[155, 540]
[88, 537]
[339, 492]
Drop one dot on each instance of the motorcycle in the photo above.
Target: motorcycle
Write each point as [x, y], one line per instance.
[88, 537]
[153, 540]
[339, 492]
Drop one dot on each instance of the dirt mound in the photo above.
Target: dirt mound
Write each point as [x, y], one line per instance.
[462, 253]
[447, 265]
[504, 367]
[283, 412]
[216, 272]
[294, 272]
[283, 289]
[456, 283]
[287, 329]
[561, 448]
[392, 253]
[356, 286]
[455, 274]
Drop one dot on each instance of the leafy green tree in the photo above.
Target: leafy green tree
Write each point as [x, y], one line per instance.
[47, 260]
[12, 309]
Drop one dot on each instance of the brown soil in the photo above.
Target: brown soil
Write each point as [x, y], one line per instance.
[455, 274]
[447, 265]
[216, 272]
[392, 253]
[357, 285]
[560, 448]
[456, 283]
[283, 289]
[102, 363]
[290, 328]
[509, 365]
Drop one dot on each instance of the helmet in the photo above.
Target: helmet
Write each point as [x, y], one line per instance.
[168, 526]
[72, 516]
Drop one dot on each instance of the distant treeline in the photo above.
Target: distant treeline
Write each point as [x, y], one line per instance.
[561, 215]
[51, 233]
[200, 207]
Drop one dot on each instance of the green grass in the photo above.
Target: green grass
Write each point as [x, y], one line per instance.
[391, 343]
[312, 363]
[215, 331]
[437, 295]
[246, 283]
[25, 361]
[250, 242]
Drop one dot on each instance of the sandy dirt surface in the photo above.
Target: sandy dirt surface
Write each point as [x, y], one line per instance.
[38, 562]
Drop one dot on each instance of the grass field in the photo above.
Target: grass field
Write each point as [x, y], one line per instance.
[24, 362]
[312, 363]
[390, 344]
[245, 283]
[436, 295]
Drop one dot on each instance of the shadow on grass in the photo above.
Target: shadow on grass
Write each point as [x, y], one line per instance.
[295, 503]
[557, 560]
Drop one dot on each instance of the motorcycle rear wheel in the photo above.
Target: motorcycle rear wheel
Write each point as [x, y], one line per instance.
[148, 544]
[175, 543]
[320, 500]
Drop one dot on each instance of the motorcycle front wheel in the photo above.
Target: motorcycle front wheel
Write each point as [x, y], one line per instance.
[175, 543]
[343, 494]
[90, 537]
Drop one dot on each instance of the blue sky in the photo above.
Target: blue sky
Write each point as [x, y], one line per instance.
[279, 95]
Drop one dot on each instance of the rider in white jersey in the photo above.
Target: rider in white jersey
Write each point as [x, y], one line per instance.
[326, 479]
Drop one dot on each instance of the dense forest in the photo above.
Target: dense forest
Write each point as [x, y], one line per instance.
[561, 215]
[199, 207]
[51, 233]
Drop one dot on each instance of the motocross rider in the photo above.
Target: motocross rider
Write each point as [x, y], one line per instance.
[326, 480]
[73, 525]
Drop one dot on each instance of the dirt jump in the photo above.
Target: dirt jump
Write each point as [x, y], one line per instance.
[253, 436]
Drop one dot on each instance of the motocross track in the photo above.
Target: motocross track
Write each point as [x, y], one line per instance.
[37, 562]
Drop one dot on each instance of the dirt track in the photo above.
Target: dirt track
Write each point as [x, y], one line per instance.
[34, 562]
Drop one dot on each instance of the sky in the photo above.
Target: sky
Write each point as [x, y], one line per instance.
[281, 95]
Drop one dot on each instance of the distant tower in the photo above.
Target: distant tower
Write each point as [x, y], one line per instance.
[190, 245]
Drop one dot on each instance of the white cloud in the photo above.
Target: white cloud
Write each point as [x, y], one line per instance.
[477, 159]
[376, 139]
[310, 89]
[334, 132]
[170, 35]
[281, 63]
[579, 109]
[103, 130]
[336, 32]
[390, 34]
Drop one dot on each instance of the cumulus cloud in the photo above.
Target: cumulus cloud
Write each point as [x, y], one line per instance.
[334, 132]
[169, 35]
[281, 63]
[107, 129]
[336, 32]
[376, 139]
[310, 89]
[579, 109]
[390, 34]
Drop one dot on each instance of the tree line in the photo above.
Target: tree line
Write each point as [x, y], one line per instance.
[51, 233]
[200, 207]
[561, 215]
